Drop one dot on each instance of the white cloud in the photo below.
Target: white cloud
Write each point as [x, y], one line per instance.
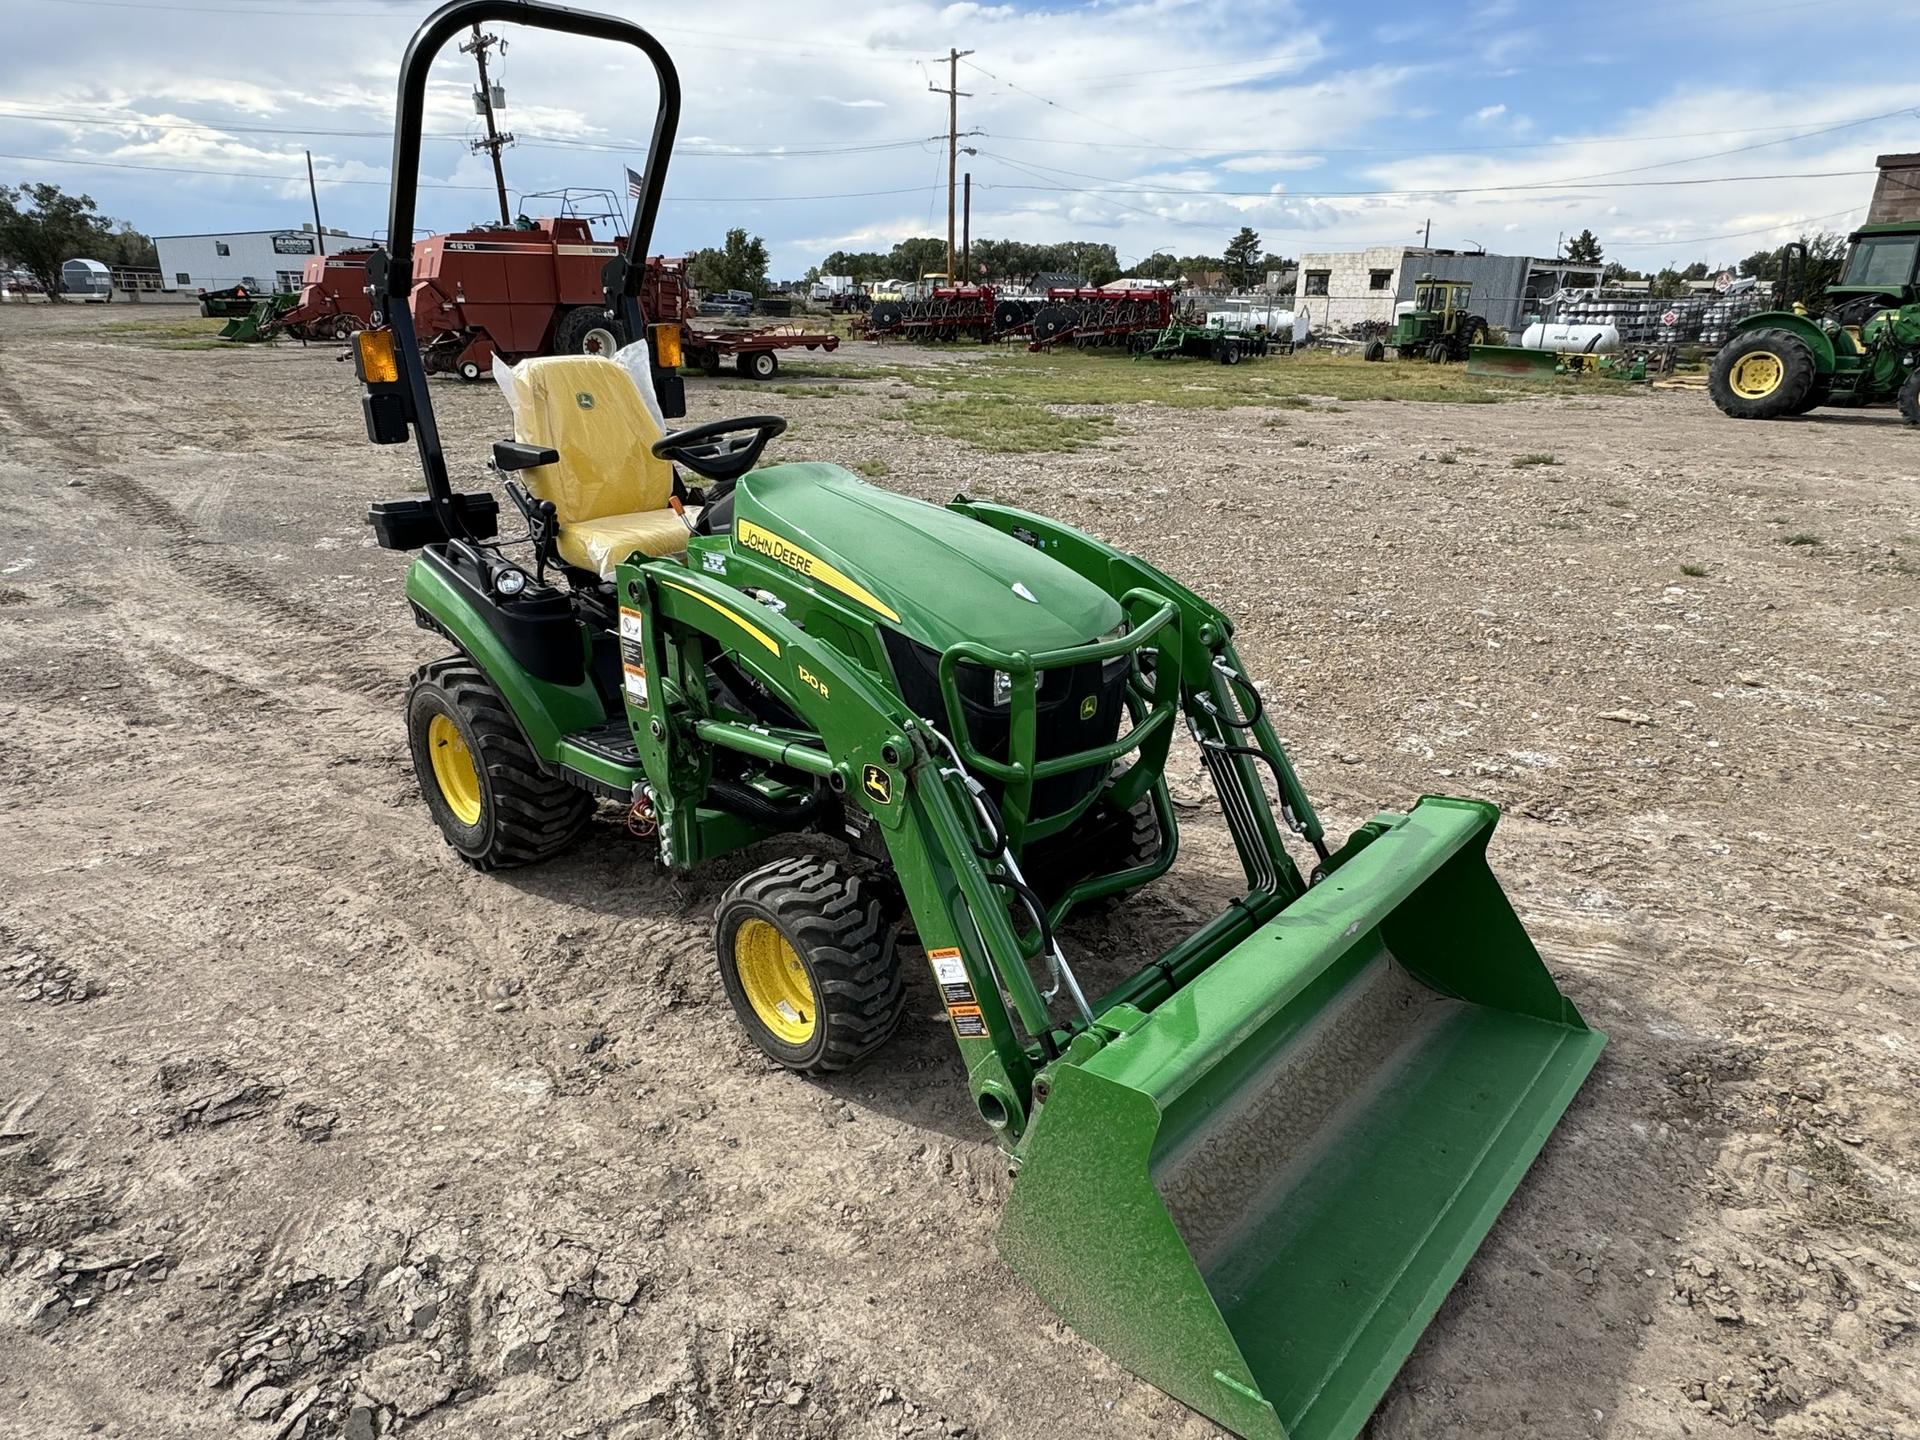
[1266, 164]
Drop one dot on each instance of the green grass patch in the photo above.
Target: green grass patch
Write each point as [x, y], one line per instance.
[992, 423]
[1802, 537]
[875, 469]
[1541, 457]
[1088, 377]
[1694, 570]
[160, 328]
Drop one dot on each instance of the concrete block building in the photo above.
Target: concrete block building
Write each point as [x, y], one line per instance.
[258, 259]
[1345, 288]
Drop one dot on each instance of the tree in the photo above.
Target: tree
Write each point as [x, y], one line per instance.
[1157, 266]
[1616, 271]
[859, 264]
[1242, 262]
[42, 227]
[1826, 252]
[922, 255]
[1584, 249]
[740, 265]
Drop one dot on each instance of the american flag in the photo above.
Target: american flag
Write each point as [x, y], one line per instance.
[634, 183]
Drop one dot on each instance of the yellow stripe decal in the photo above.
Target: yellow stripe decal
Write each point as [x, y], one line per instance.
[747, 625]
[785, 552]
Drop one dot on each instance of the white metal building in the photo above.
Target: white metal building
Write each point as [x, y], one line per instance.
[258, 259]
[1344, 288]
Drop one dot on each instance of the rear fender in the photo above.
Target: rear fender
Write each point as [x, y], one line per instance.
[546, 710]
[1810, 334]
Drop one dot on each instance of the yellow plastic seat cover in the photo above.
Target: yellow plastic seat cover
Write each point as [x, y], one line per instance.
[599, 545]
[609, 490]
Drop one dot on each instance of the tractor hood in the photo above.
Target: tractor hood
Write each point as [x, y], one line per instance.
[944, 577]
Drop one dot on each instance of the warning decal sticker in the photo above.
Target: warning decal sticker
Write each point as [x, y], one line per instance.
[968, 1023]
[949, 970]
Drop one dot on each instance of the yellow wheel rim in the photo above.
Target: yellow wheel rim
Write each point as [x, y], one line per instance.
[775, 982]
[1757, 376]
[453, 769]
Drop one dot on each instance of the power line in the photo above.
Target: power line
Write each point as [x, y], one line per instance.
[1124, 187]
[731, 43]
[717, 150]
[1732, 235]
[437, 185]
[1208, 150]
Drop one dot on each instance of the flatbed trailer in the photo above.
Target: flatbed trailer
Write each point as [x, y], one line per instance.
[753, 351]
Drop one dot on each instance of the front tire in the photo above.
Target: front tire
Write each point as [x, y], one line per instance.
[486, 790]
[1762, 375]
[807, 958]
[585, 330]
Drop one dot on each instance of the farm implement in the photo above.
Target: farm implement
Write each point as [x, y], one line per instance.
[261, 320]
[1249, 1167]
[1063, 316]
[1099, 317]
[945, 312]
[1200, 342]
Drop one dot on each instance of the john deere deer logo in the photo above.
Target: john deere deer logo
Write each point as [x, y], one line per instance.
[583, 398]
[877, 783]
[1088, 706]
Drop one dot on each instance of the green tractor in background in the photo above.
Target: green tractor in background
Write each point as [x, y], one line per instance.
[1250, 1166]
[1864, 351]
[1440, 327]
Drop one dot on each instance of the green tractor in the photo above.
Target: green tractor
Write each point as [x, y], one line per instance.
[1250, 1167]
[1439, 326]
[1864, 351]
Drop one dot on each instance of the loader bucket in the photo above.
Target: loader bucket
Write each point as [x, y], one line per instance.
[1513, 360]
[1256, 1195]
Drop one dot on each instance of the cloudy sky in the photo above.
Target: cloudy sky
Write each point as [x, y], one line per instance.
[1159, 125]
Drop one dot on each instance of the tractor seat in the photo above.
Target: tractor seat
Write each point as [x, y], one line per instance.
[608, 489]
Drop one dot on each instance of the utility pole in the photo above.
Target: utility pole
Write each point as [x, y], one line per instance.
[313, 194]
[1427, 242]
[966, 227]
[953, 92]
[495, 141]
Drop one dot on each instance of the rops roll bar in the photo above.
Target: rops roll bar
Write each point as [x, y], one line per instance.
[397, 395]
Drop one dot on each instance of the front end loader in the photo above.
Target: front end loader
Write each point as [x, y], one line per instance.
[1249, 1167]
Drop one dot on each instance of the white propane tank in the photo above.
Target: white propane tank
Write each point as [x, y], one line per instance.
[1581, 339]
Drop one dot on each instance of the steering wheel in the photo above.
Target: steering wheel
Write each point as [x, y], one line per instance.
[720, 450]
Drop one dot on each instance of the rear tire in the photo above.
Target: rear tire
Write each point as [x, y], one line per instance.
[758, 364]
[1762, 375]
[1376, 351]
[807, 958]
[1909, 399]
[486, 790]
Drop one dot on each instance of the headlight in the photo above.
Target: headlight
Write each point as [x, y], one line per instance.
[1002, 688]
[510, 582]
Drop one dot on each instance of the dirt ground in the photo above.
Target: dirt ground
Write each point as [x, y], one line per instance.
[305, 1128]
